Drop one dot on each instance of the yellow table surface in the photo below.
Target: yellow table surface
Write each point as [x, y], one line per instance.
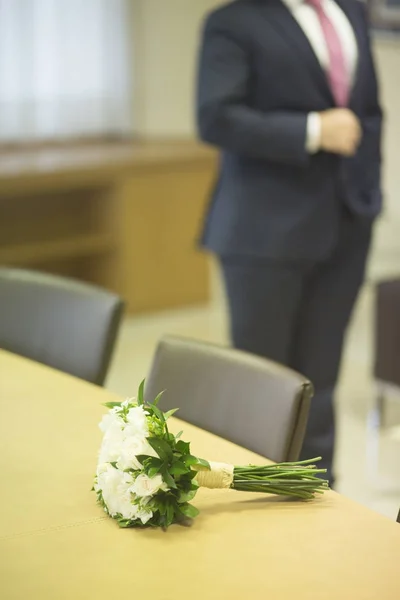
[56, 543]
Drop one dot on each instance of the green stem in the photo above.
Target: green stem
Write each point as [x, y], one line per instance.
[292, 479]
[279, 465]
[277, 492]
[300, 475]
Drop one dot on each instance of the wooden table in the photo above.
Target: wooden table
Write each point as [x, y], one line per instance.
[57, 544]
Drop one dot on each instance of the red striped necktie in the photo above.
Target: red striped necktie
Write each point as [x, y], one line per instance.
[337, 71]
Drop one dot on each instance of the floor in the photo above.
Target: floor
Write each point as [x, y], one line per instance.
[377, 486]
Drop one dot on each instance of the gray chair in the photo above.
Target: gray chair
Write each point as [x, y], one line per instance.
[386, 370]
[65, 324]
[248, 400]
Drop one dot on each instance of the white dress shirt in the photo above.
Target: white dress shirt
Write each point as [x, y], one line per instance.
[308, 20]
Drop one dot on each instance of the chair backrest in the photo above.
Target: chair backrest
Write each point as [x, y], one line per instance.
[66, 324]
[387, 332]
[243, 398]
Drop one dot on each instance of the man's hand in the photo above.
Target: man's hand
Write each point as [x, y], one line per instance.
[340, 131]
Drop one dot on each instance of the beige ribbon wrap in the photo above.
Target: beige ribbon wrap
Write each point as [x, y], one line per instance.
[219, 477]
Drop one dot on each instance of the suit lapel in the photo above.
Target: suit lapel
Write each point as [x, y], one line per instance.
[280, 17]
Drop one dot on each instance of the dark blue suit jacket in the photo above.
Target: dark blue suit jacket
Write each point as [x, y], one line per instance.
[258, 80]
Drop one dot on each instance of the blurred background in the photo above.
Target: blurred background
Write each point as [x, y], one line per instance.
[102, 179]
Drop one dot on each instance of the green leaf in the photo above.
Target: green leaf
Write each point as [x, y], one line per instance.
[178, 435]
[190, 460]
[154, 461]
[158, 413]
[169, 480]
[169, 413]
[170, 514]
[186, 496]
[157, 398]
[112, 404]
[178, 468]
[188, 510]
[204, 463]
[147, 461]
[140, 397]
[183, 447]
[153, 471]
[124, 523]
[162, 448]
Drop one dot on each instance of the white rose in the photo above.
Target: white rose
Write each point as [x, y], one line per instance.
[126, 508]
[115, 487]
[148, 486]
[137, 420]
[122, 443]
[144, 515]
[130, 449]
[112, 444]
[111, 421]
[108, 480]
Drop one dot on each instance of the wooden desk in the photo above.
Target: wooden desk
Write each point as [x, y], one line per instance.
[56, 544]
[125, 216]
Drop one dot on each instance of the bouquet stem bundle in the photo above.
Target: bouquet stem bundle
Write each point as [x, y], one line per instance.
[292, 479]
[297, 480]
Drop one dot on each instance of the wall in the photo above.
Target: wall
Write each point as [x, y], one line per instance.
[167, 34]
[386, 256]
[387, 52]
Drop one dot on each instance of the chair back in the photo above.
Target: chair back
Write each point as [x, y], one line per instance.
[387, 332]
[66, 324]
[246, 399]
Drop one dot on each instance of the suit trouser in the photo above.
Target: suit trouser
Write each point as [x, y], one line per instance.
[296, 313]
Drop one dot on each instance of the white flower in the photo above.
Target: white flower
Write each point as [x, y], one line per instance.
[102, 468]
[130, 431]
[137, 421]
[112, 445]
[148, 486]
[111, 421]
[144, 515]
[132, 447]
[123, 441]
[127, 402]
[115, 486]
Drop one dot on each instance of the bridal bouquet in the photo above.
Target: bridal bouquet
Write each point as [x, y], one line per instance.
[148, 476]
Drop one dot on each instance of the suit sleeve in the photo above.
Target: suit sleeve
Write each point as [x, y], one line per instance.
[224, 114]
[369, 158]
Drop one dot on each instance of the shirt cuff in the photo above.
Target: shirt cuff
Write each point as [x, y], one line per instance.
[313, 139]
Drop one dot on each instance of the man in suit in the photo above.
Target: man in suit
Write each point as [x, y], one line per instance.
[287, 90]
